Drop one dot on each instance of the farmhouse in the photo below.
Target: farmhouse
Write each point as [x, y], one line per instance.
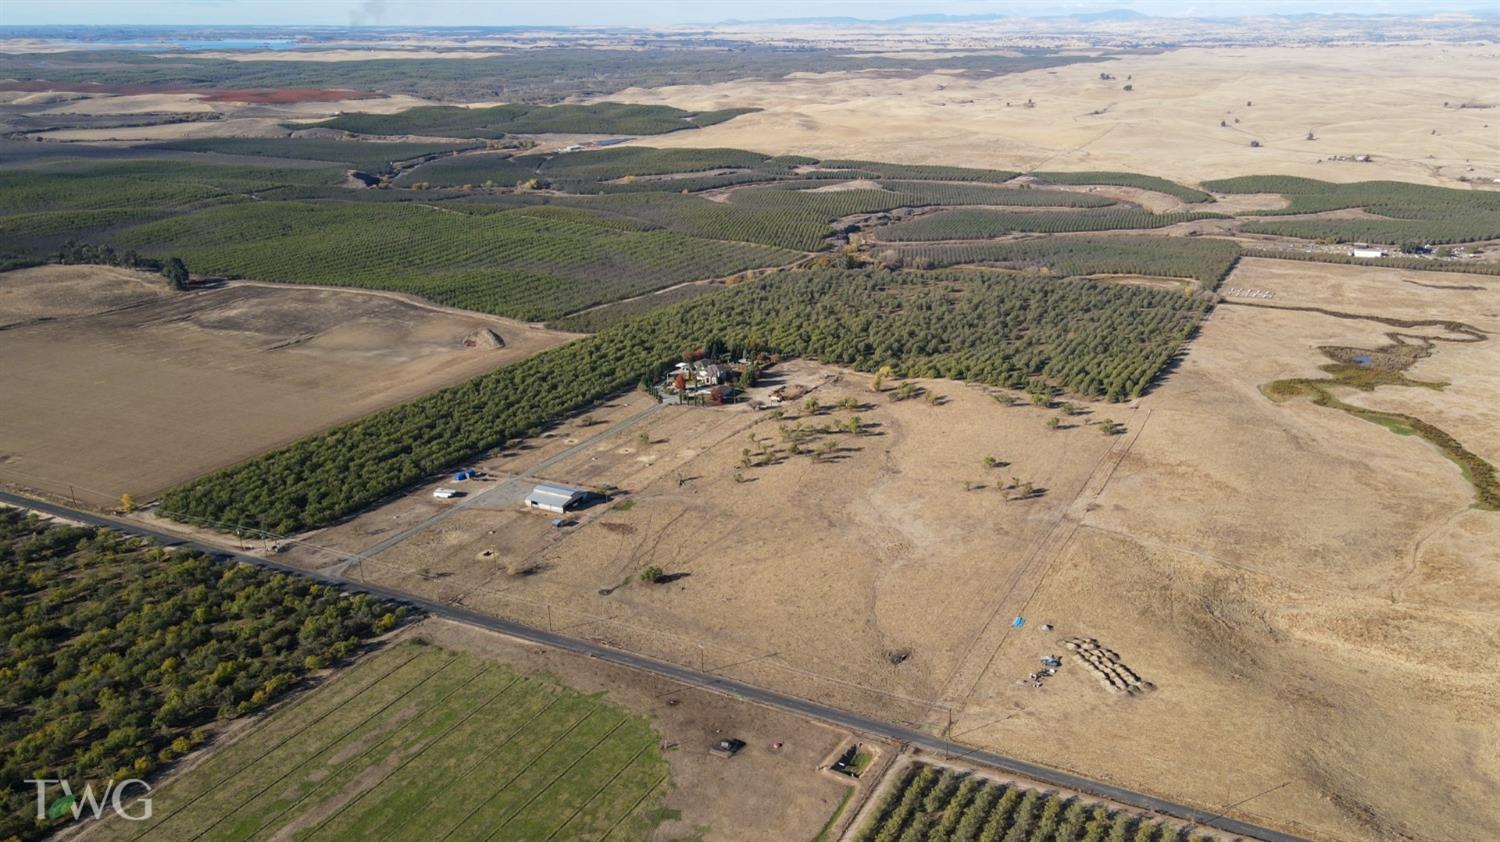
[709, 373]
[551, 497]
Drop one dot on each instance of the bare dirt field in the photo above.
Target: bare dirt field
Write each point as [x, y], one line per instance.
[129, 388]
[1385, 101]
[258, 113]
[1304, 603]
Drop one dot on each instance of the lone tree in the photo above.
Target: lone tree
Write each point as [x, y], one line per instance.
[177, 273]
[651, 575]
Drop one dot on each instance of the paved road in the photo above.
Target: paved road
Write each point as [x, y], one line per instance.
[511, 488]
[727, 686]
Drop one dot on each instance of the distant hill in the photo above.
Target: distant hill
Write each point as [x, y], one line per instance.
[845, 20]
[1112, 14]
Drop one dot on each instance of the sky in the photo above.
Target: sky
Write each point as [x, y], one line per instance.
[633, 12]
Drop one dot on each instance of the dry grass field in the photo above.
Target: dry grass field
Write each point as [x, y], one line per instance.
[1385, 101]
[1312, 597]
[128, 388]
[856, 548]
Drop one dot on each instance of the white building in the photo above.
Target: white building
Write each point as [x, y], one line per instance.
[1368, 252]
[551, 497]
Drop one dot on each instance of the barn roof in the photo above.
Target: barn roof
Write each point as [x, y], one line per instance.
[555, 493]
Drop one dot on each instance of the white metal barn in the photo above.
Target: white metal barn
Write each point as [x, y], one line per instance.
[551, 497]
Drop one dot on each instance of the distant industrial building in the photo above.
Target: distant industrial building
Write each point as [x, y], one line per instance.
[551, 497]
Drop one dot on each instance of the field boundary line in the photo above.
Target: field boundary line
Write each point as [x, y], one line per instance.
[402, 765]
[263, 754]
[341, 737]
[512, 779]
[483, 757]
[435, 706]
[633, 807]
[419, 753]
[557, 777]
[602, 787]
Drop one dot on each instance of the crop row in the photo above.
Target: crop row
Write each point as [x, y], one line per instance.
[616, 170]
[1457, 227]
[82, 199]
[971, 224]
[790, 227]
[1204, 259]
[1127, 179]
[1389, 198]
[76, 185]
[925, 172]
[510, 263]
[796, 219]
[362, 155]
[610, 315]
[120, 655]
[497, 121]
[929, 804]
[607, 170]
[947, 193]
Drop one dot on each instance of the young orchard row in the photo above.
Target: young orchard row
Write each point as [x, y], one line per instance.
[119, 653]
[929, 804]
